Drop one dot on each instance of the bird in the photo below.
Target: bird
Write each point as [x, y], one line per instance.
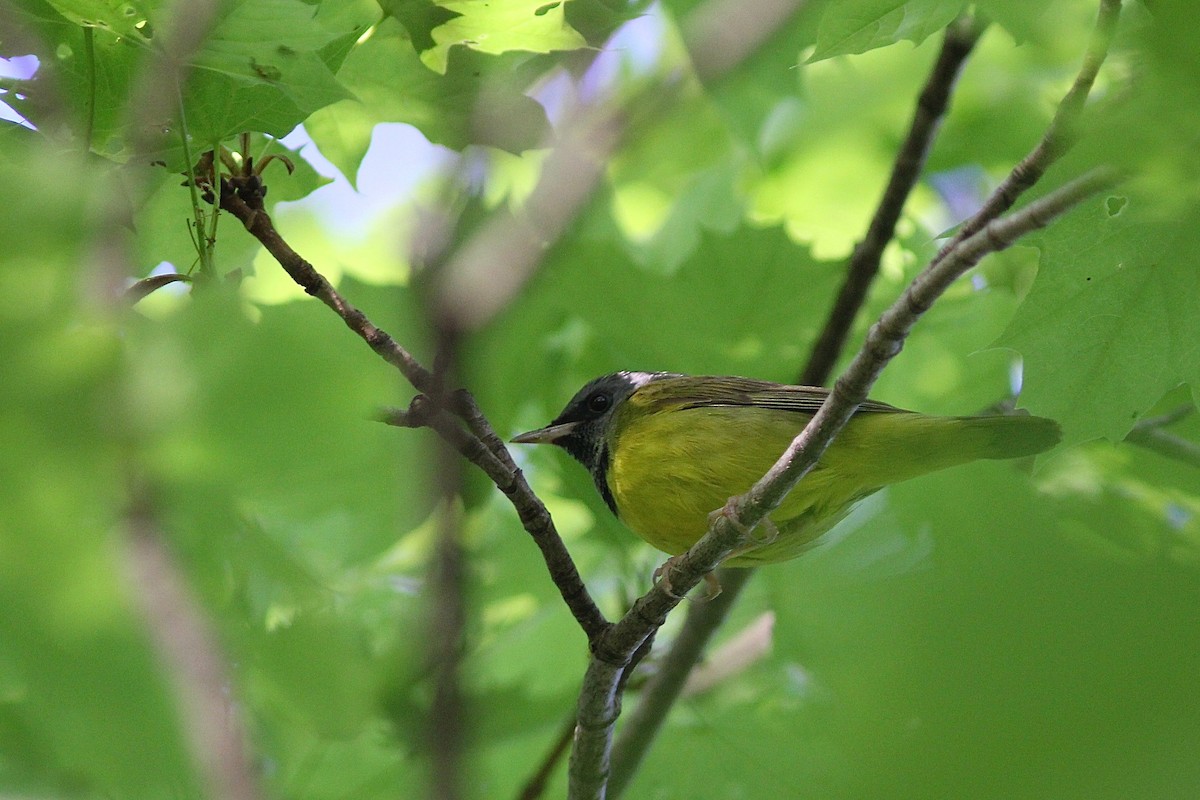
[668, 450]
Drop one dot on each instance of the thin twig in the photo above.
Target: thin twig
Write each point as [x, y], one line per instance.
[599, 704]
[248, 208]
[863, 266]
[1059, 137]
[535, 787]
[241, 199]
[658, 697]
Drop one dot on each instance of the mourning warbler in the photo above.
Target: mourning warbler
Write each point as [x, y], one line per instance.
[666, 450]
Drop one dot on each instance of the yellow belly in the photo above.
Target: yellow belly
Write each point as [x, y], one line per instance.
[670, 470]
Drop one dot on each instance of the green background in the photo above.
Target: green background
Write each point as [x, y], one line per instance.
[999, 630]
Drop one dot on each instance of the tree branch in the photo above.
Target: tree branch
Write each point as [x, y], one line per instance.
[599, 703]
[702, 621]
[241, 197]
[1059, 137]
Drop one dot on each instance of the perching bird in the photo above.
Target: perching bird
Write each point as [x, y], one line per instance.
[666, 450]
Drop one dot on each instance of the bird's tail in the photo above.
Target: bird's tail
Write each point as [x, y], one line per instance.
[1009, 436]
[897, 446]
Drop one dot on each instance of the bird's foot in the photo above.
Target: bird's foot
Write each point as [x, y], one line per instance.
[769, 530]
[660, 578]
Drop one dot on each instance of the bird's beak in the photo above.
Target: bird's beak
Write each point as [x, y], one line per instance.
[548, 435]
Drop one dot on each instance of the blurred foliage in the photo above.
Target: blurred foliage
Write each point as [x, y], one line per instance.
[997, 631]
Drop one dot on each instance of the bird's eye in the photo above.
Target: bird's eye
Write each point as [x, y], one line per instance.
[598, 403]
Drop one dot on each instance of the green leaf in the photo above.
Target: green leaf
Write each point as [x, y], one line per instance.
[856, 26]
[535, 26]
[97, 105]
[121, 17]
[1023, 19]
[474, 102]
[419, 18]
[262, 69]
[1111, 323]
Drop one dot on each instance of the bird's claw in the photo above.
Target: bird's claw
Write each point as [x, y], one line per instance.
[730, 512]
[660, 578]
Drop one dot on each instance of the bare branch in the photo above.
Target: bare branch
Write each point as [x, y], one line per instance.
[1059, 137]
[702, 621]
[245, 203]
[241, 197]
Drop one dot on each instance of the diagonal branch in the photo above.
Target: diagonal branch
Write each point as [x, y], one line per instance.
[599, 704]
[241, 197]
[1149, 433]
[194, 666]
[1059, 137]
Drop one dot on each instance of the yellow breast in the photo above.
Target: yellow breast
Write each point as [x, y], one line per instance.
[671, 469]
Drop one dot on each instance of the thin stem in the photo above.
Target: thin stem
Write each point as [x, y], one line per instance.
[485, 450]
[200, 237]
[1059, 137]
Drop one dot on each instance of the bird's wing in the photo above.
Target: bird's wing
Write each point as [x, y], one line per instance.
[704, 391]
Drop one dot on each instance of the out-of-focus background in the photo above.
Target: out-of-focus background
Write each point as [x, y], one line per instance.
[995, 631]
